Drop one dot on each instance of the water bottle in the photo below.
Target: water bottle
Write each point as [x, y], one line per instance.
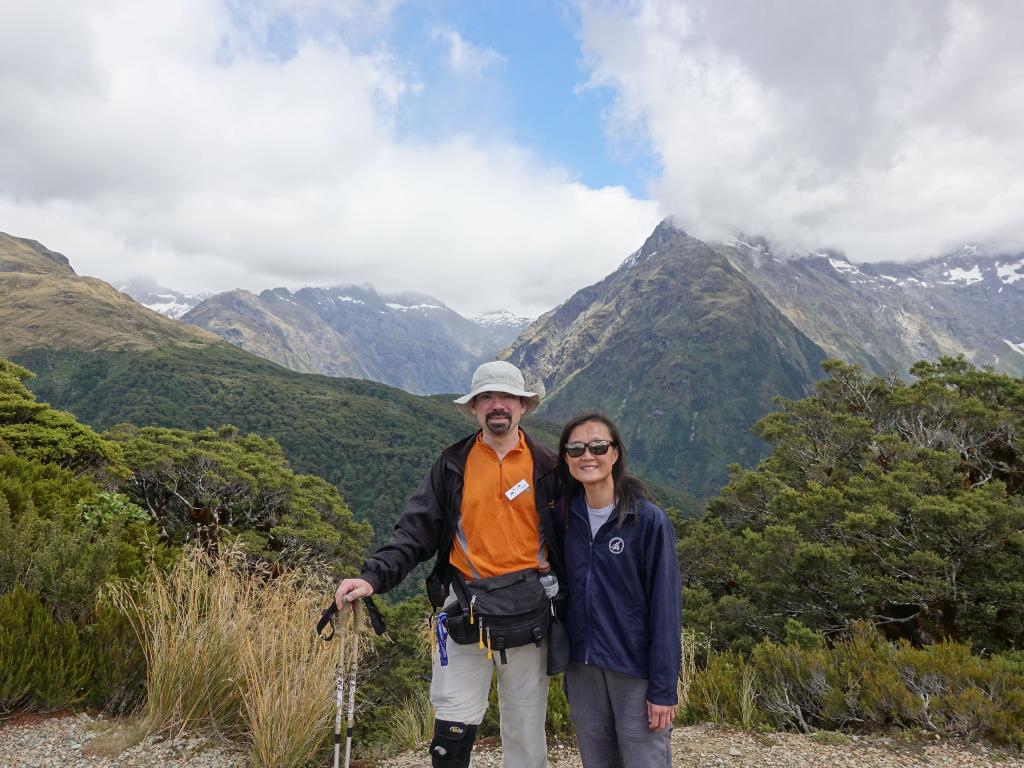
[548, 580]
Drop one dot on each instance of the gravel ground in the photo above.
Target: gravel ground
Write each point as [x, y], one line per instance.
[712, 746]
[83, 741]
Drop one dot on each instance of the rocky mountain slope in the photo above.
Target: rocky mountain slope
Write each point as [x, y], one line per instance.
[681, 349]
[887, 316]
[410, 341]
[44, 303]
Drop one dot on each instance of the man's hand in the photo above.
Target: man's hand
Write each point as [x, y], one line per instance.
[660, 716]
[350, 590]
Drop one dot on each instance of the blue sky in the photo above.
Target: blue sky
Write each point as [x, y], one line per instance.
[536, 94]
[501, 155]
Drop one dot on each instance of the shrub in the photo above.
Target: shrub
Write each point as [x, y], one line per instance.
[63, 539]
[43, 665]
[117, 681]
[863, 682]
[558, 720]
[793, 683]
[714, 693]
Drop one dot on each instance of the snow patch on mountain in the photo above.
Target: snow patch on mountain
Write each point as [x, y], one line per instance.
[500, 318]
[170, 308]
[1010, 273]
[166, 301]
[751, 246]
[635, 258]
[843, 266]
[965, 276]
[1018, 347]
[406, 308]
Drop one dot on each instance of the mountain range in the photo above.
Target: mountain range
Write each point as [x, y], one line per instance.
[686, 344]
[411, 341]
[886, 316]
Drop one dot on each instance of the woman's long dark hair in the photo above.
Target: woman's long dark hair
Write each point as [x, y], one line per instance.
[629, 489]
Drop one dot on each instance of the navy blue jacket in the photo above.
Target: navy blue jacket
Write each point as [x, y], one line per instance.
[625, 600]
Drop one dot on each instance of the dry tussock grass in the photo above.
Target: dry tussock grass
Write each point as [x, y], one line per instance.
[231, 651]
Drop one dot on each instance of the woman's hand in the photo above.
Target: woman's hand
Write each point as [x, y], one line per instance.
[660, 716]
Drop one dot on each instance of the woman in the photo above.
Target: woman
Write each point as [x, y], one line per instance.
[625, 603]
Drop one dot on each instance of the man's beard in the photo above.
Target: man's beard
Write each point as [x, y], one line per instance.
[499, 423]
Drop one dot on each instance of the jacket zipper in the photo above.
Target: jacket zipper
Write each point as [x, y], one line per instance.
[586, 591]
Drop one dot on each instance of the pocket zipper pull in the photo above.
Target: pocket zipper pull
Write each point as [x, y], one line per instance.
[481, 636]
[472, 602]
[490, 655]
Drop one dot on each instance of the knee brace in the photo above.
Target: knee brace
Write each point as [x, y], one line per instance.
[452, 744]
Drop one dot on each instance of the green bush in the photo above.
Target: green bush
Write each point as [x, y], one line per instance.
[43, 665]
[117, 679]
[48, 664]
[862, 682]
[714, 694]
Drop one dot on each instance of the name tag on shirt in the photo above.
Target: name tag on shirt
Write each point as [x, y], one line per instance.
[516, 489]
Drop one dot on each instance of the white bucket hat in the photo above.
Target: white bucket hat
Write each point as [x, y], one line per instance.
[498, 376]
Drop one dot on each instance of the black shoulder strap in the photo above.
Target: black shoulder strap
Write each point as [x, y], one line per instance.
[459, 588]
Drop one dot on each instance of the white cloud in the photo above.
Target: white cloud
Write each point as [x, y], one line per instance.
[888, 130]
[174, 140]
[464, 58]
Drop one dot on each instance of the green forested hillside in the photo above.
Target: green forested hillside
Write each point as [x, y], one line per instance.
[372, 441]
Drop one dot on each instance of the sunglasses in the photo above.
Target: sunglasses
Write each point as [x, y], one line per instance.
[596, 448]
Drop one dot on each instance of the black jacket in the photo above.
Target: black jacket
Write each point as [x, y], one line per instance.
[428, 522]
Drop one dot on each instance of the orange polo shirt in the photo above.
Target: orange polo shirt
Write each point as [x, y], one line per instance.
[501, 534]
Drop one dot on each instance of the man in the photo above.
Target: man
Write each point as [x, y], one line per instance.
[485, 508]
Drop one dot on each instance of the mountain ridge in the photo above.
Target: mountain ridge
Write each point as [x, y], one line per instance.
[887, 316]
[43, 296]
[667, 345]
[408, 340]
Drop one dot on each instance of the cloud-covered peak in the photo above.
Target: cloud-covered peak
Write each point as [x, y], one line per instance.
[886, 130]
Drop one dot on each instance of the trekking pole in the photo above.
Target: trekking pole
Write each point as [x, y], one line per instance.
[339, 693]
[357, 628]
[356, 615]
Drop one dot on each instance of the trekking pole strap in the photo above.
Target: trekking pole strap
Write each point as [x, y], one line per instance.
[326, 618]
[376, 617]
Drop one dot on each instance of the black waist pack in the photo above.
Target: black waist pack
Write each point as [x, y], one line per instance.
[499, 612]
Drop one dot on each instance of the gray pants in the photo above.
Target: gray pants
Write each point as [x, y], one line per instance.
[609, 713]
[459, 691]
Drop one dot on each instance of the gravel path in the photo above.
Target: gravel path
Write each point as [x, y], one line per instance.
[712, 746]
[83, 741]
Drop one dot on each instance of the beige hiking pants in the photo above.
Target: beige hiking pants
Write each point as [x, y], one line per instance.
[459, 692]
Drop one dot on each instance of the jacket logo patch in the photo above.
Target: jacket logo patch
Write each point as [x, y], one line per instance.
[616, 545]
